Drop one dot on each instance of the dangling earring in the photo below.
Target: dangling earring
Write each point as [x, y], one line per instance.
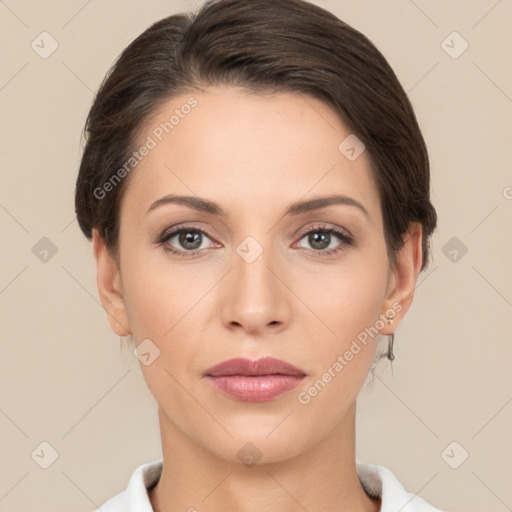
[391, 337]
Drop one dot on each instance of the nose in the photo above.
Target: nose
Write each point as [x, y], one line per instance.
[255, 298]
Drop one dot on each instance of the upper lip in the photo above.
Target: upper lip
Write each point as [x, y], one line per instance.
[262, 366]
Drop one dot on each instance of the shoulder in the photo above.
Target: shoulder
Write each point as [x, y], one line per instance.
[378, 481]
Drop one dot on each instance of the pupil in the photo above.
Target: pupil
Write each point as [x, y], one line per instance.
[190, 237]
[319, 240]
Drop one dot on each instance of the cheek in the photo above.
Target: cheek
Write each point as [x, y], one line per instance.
[157, 294]
[341, 354]
[347, 302]
[165, 304]
[345, 298]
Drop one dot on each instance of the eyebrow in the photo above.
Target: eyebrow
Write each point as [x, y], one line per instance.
[298, 208]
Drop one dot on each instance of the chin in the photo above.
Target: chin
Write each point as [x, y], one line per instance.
[260, 442]
[252, 450]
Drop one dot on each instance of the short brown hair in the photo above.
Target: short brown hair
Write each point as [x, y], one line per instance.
[261, 46]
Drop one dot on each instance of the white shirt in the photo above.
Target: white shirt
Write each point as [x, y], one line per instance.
[376, 480]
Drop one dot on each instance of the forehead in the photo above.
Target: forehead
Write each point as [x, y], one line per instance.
[251, 151]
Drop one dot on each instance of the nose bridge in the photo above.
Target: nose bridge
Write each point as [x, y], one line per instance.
[255, 298]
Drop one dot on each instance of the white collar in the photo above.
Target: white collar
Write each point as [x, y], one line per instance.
[377, 481]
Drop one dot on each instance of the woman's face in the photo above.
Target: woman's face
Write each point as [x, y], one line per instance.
[260, 276]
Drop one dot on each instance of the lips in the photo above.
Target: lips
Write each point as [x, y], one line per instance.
[254, 381]
[263, 366]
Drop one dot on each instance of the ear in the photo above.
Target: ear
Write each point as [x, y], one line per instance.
[403, 278]
[108, 279]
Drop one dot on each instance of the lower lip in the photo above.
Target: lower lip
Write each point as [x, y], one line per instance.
[254, 388]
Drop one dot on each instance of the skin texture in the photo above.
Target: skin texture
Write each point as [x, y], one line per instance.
[254, 155]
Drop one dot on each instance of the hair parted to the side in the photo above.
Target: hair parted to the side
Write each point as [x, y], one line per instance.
[263, 46]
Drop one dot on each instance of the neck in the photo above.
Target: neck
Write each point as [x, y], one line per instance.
[323, 477]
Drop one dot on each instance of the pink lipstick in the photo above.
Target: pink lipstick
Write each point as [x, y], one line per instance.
[254, 381]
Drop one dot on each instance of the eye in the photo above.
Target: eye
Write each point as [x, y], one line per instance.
[327, 240]
[184, 241]
[190, 240]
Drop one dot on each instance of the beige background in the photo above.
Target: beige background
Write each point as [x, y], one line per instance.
[63, 377]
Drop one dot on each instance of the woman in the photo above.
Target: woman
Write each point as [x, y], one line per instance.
[256, 188]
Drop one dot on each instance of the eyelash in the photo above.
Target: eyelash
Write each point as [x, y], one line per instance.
[345, 240]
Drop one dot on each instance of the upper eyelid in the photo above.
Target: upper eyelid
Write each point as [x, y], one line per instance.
[177, 229]
[325, 226]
